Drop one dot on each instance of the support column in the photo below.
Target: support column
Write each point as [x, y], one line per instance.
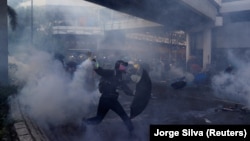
[187, 48]
[207, 45]
[3, 44]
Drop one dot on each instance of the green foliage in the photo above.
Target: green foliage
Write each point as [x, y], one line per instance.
[5, 124]
[13, 17]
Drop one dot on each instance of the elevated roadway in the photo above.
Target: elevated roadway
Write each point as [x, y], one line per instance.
[173, 14]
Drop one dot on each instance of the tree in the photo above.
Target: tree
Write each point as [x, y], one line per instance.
[13, 17]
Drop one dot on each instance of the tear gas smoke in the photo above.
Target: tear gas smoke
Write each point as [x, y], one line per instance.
[176, 72]
[48, 93]
[234, 86]
[51, 97]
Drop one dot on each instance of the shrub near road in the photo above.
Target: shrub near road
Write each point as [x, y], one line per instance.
[6, 126]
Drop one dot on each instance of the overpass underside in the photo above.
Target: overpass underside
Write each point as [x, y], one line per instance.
[174, 14]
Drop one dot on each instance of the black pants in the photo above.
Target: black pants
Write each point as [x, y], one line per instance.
[107, 103]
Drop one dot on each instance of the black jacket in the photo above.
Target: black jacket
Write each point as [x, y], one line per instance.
[111, 81]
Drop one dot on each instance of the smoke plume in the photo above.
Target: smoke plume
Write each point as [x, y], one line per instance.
[234, 86]
[48, 92]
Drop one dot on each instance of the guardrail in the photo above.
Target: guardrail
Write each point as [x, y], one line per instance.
[77, 30]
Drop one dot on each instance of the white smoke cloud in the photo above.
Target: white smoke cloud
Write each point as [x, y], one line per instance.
[235, 86]
[48, 93]
[176, 72]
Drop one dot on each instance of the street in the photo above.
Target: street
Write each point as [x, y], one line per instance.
[192, 106]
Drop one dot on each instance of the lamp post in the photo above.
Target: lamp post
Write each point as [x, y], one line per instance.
[31, 24]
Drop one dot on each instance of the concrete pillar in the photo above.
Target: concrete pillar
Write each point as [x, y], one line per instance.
[207, 45]
[3, 43]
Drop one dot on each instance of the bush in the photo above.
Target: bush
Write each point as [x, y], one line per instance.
[6, 126]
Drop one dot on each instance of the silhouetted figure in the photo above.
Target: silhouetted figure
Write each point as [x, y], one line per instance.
[71, 67]
[229, 69]
[111, 81]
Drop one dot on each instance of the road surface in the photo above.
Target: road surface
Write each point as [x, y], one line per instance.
[192, 106]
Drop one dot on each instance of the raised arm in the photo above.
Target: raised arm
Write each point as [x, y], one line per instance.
[104, 72]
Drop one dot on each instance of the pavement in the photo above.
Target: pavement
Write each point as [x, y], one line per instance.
[190, 105]
[26, 129]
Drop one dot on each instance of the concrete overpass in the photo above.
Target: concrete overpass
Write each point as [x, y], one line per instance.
[174, 14]
[209, 24]
[235, 31]
[195, 17]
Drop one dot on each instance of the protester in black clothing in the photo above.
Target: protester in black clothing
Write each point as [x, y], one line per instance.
[229, 69]
[111, 81]
[71, 67]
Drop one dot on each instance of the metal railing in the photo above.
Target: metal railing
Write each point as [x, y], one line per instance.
[77, 30]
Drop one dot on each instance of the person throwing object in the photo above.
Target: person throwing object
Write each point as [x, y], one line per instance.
[111, 81]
